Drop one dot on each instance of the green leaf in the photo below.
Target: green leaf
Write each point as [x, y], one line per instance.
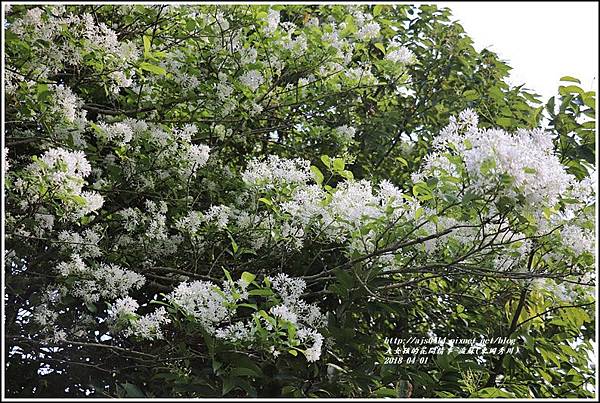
[91, 307]
[377, 10]
[132, 390]
[550, 105]
[248, 277]
[347, 174]
[317, 174]
[244, 372]
[268, 318]
[386, 392]
[569, 89]
[261, 292]
[468, 197]
[43, 93]
[338, 164]
[153, 68]
[569, 78]
[402, 161]
[228, 275]
[488, 165]
[504, 122]
[326, 160]
[147, 44]
[228, 384]
[268, 202]
[470, 95]
[422, 191]
[589, 99]
[216, 365]
[419, 213]
[234, 245]
[496, 94]
[492, 392]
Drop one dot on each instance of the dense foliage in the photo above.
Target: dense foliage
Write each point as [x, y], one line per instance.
[252, 200]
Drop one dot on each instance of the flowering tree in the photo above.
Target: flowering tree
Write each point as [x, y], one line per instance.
[252, 201]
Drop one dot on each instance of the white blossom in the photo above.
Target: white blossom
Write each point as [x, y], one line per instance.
[313, 353]
[252, 79]
[276, 170]
[84, 244]
[283, 312]
[401, 55]
[272, 21]
[290, 289]
[368, 31]
[526, 156]
[236, 332]
[107, 281]
[198, 155]
[578, 240]
[201, 300]
[345, 133]
[219, 215]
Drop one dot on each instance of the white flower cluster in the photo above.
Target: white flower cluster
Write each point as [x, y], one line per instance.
[236, 332]
[214, 308]
[204, 301]
[44, 316]
[59, 173]
[58, 30]
[194, 221]
[313, 353]
[191, 223]
[275, 171]
[72, 167]
[149, 228]
[356, 203]
[344, 47]
[293, 309]
[84, 244]
[272, 21]
[578, 240]
[585, 191]
[145, 327]
[345, 133]
[107, 281]
[361, 74]
[66, 103]
[219, 215]
[248, 55]
[176, 152]
[368, 31]
[565, 291]
[223, 89]
[305, 204]
[252, 79]
[119, 80]
[400, 54]
[337, 217]
[121, 133]
[45, 223]
[526, 156]
[296, 45]
[198, 155]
